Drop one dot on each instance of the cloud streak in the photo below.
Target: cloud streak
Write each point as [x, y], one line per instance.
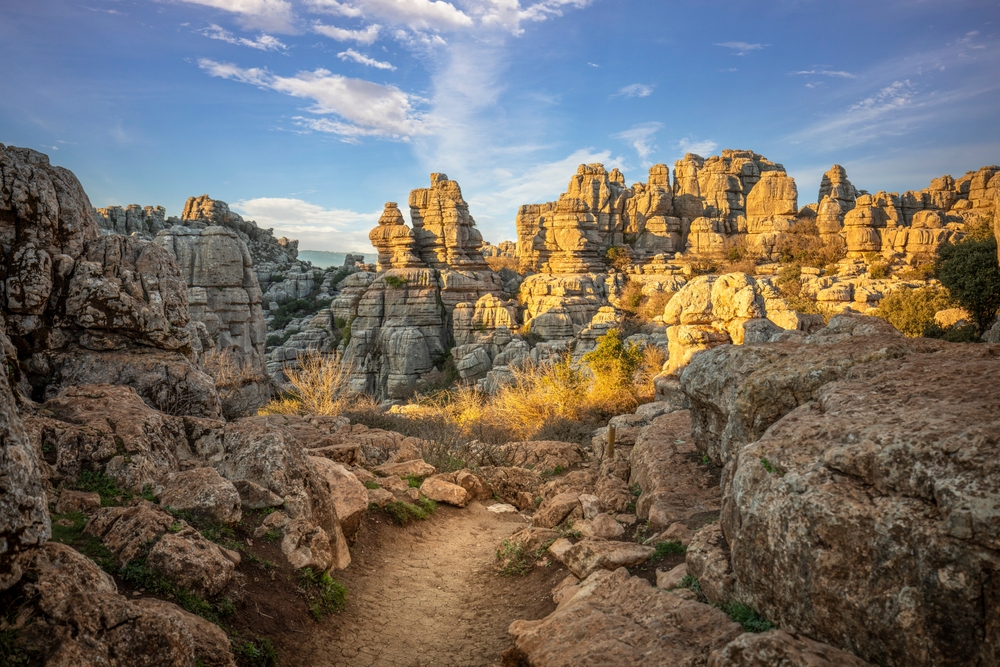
[366, 36]
[314, 226]
[641, 138]
[351, 54]
[635, 90]
[262, 43]
[366, 108]
[742, 48]
[275, 15]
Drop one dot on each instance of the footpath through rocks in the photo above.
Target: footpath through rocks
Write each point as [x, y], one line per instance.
[428, 594]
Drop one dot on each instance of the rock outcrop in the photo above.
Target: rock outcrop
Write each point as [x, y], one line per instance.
[78, 304]
[885, 526]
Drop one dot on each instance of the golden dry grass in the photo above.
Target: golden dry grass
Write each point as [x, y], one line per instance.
[319, 386]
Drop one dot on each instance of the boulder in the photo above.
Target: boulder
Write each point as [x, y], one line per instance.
[445, 492]
[78, 501]
[675, 486]
[615, 619]
[544, 454]
[552, 512]
[590, 555]
[74, 616]
[204, 492]
[780, 648]
[305, 544]
[513, 485]
[193, 562]
[707, 560]
[877, 499]
[350, 497]
[416, 468]
[672, 578]
[602, 526]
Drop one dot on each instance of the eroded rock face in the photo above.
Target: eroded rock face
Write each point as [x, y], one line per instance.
[76, 617]
[204, 492]
[778, 648]
[71, 295]
[886, 525]
[614, 619]
[838, 188]
[222, 288]
[24, 517]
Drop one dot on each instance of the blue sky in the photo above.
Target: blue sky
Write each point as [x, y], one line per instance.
[308, 115]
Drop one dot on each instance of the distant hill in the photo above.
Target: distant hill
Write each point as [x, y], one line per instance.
[324, 258]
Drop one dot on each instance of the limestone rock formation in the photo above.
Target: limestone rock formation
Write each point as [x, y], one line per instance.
[394, 241]
[144, 220]
[612, 618]
[223, 292]
[838, 188]
[445, 232]
[77, 303]
[889, 539]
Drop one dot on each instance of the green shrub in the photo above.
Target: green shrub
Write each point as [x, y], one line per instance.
[802, 245]
[664, 549]
[277, 340]
[414, 481]
[103, 485]
[965, 333]
[619, 257]
[748, 617]
[293, 309]
[970, 272]
[878, 271]
[912, 310]
[512, 558]
[255, 653]
[372, 485]
[395, 282]
[613, 362]
[403, 513]
[325, 595]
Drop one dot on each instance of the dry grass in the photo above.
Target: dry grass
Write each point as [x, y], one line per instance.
[497, 263]
[320, 386]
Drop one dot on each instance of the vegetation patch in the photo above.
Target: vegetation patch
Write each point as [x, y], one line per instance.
[512, 559]
[294, 309]
[664, 549]
[748, 617]
[325, 596]
[912, 310]
[395, 282]
[257, 652]
[970, 272]
[403, 513]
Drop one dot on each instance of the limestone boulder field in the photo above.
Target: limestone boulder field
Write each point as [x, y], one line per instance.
[863, 469]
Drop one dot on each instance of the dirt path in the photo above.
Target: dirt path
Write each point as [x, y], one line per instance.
[427, 595]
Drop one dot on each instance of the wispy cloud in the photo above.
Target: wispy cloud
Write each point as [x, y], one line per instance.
[741, 48]
[593, 65]
[351, 54]
[704, 147]
[262, 43]
[641, 138]
[366, 36]
[826, 72]
[333, 7]
[314, 226]
[105, 11]
[635, 90]
[273, 15]
[366, 108]
[896, 95]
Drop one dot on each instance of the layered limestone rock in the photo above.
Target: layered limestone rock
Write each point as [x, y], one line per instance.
[862, 227]
[838, 188]
[445, 232]
[433, 288]
[133, 219]
[650, 226]
[771, 208]
[78, 304]
[223, 292]
[887, 528]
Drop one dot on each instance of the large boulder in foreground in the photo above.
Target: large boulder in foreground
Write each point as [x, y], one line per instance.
[875, 503]
[617, 619]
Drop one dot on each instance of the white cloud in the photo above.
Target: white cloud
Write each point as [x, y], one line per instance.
[742, 48]
[262, 43]
[351, 54]
[593, 65]
[315, 227]
[896, 95]
[635, 90]
[508, 14]
[366, 36]
[333, 7]
[825, 72]
[276, 15]
[641, 138]
[369, 109]
[703, 148]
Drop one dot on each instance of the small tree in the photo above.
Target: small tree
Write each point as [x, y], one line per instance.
[970, 272]
[912, 310]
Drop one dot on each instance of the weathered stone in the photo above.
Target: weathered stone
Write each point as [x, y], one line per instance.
[202, 491]
[509, 483]
[350, 497]
[590, 555]
[707, 561]
[445, 492]
[415, 467]
[779, 648]
[77, 501]
[615, 619]
[602, 526]
[672, 578]
[193, 562]
[552, 512]
[674, 487]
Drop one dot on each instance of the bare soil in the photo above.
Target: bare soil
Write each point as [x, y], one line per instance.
[427, 595]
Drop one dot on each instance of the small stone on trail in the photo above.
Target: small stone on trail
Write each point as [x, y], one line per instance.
[502, 508]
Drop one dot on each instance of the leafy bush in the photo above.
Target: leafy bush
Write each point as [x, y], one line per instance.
[804, 246]
[664, 549]
[966, 333]
[970, 272]
[512, 558]
[325, 595]
[255, 653]
[277, 340]
[619, 257]
[878, 270]
[395, 282]
[614, 364]
[912, 310]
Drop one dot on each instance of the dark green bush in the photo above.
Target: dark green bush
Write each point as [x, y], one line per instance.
[970, 272]
[912, 310]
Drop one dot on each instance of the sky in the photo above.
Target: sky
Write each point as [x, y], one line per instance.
[308, 115]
